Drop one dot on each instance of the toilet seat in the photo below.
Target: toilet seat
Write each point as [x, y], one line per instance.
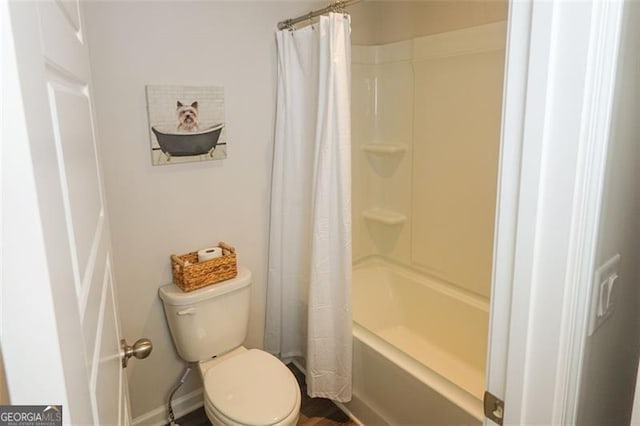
[252, 388]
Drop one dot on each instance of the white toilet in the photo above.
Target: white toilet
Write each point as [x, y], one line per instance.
[241, 386]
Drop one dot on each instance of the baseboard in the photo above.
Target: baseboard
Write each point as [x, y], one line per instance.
[348, 412]
[181, 406]
[362, 412]
[341, 406]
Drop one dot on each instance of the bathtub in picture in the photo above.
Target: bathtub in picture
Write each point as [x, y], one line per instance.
[181, 144]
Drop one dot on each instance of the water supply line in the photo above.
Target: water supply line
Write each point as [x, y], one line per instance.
[172, 418]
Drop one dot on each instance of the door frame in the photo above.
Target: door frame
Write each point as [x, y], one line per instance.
[559, 86]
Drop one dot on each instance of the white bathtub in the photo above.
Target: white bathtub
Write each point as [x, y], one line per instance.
[419, 348]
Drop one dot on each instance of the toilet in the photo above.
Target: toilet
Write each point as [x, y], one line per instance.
[242, 387]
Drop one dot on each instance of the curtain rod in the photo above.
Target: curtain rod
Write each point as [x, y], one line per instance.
[338, 6]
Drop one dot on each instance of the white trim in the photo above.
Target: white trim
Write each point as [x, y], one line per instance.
[181, 406]
[362, 412]
[548, 141]
[513, 121]
[532, 139]
[592, 155]
[348, 412]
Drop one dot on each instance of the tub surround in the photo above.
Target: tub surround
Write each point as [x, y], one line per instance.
[413, 158]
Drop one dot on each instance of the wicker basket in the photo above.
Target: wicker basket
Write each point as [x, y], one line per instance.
[189, 274]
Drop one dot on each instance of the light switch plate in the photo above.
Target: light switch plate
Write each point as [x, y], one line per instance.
[603, 293]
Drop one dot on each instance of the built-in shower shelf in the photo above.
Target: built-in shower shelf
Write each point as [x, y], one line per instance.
[387, 217]
[384, 148]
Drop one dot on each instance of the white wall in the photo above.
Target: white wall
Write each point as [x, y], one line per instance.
[611, 353]
[156, 211]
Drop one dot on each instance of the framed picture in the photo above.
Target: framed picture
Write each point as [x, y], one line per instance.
[186, 124]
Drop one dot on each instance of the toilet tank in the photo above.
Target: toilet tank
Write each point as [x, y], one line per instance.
[209, 321]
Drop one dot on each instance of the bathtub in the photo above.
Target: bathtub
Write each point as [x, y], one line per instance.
[419, 348]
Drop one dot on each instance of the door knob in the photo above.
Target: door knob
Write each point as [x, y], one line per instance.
[140, 349]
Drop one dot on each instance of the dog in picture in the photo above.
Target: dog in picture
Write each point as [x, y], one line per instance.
[187, 117]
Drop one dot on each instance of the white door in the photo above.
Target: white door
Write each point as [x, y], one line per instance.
[60, 331]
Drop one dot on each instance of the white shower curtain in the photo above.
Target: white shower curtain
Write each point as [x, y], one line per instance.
[309, 283]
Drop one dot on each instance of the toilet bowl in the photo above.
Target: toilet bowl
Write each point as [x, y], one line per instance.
[250, 387]
[242, 387]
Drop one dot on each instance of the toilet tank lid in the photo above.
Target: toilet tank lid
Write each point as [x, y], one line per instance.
[172, 295]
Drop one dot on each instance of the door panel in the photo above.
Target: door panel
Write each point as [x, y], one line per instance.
[106, 382]
[79, 175]
[94, 296]
[62, 41]
[52, 61]
[71, 12]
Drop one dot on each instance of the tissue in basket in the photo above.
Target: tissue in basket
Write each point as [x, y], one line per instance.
[190, 275]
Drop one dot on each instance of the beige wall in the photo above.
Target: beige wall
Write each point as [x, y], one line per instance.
[380, 22]
[156, 211]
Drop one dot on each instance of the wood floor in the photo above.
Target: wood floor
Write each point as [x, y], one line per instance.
[313, 411]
